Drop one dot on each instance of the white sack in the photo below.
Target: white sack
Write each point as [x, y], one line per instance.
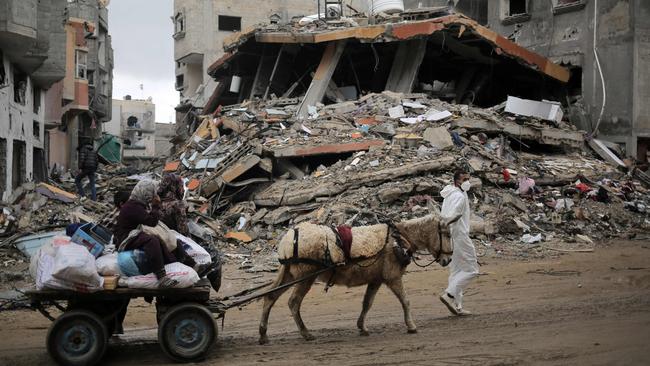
[42, 267]
[184, 275]
[194, 250]
[107, 265]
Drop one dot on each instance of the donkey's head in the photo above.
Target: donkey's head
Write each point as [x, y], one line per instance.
[425, 234]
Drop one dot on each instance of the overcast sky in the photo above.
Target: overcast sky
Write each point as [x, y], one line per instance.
[144, 52]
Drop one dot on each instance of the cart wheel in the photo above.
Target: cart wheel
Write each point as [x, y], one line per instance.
[187, 332]
[78, 337]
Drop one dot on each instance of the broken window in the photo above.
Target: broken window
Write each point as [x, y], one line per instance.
[514, 11]
[180, 82]
[19, 168]
[564, 6]
[39, 165]
[81, 64]
[517, 7]
[36, 130]
[20, 86]
[132, 122]
[229, 24]
[91, 78]
[36, 98]
[179, 24]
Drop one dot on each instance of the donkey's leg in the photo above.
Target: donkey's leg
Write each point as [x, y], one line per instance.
[368, 298]
[398, 289]
[299, 292]
[269, 300]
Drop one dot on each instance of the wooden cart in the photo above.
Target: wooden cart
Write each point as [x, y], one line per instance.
[186, 319]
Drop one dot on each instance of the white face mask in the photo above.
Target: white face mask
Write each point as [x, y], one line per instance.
[466, 186]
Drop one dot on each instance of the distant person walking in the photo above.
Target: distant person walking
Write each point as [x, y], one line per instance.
[464, 265]
[88, 163]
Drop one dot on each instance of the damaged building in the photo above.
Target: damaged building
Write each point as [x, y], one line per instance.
[605, 45]
[447, 56]
[200, 27]
[32, 58]
[78, 105]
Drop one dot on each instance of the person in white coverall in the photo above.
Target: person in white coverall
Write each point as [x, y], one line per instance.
[455, 216]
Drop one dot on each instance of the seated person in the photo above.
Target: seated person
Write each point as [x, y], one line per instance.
[143, 208]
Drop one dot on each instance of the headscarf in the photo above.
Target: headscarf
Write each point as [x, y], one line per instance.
[144, 191]
[171, 188]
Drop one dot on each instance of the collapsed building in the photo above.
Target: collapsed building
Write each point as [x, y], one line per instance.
[341, 120]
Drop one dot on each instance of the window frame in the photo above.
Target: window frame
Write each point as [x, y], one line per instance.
[180, 24]
[507, 18]
[81, 66]
[576, 5]
[229, 17]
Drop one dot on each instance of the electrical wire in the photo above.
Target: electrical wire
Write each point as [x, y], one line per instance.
[600, 70]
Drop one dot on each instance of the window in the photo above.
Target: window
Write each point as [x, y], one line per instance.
[514, 11]
[91, 77]
[179, 25]
[36, 130]
[36, 98]
[180, 82]
[82, 64]
[132, 121]
[517, 7]
[20, 86]
[229, 24]
[565, 6]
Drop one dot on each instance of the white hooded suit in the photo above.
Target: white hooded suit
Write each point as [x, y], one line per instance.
[464, 265]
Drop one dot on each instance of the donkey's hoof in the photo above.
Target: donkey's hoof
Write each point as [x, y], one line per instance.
[412, 331]
[363, 333]
[264, 340]
[308, 337]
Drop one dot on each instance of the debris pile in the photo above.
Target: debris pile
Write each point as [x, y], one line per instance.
[256, 169]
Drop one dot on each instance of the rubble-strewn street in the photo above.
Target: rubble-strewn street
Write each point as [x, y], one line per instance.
[583, 308]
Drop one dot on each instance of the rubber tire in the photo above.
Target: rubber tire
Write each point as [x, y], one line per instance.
[85, 321]
[199, 321]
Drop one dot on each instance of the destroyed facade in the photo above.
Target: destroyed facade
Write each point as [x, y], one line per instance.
[32, 58]
[572, 33]
[134, 123]
[200, 27]
[77, 105]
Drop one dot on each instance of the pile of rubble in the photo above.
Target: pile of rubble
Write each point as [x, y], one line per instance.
[257, 170]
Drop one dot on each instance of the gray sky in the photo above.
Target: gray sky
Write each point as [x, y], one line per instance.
[144, 52]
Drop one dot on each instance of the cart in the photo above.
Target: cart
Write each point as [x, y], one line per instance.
[186, 319]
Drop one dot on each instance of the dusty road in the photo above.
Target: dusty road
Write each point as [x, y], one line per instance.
[580, 309]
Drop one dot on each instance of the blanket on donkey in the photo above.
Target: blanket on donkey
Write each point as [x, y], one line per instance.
[314, 239]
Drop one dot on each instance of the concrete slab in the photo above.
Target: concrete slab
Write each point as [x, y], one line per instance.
[325, 149]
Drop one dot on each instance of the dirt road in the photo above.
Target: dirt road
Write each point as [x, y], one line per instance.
[580, 309]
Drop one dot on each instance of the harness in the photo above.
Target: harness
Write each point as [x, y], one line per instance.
[402, 250]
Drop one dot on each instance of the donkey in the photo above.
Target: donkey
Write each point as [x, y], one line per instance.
[384, 267]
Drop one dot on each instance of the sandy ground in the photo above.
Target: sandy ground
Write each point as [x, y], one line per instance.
[580, 309]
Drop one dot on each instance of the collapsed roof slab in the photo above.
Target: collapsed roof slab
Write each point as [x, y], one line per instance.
[541, 134]
[457, 24]
[325, 149]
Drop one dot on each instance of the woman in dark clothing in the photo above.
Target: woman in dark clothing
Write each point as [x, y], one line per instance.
[173, 209]
[134, 213]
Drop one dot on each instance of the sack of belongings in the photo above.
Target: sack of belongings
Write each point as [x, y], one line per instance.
[64, 265]
[107, 265]
[183, 276]
[194, 250]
